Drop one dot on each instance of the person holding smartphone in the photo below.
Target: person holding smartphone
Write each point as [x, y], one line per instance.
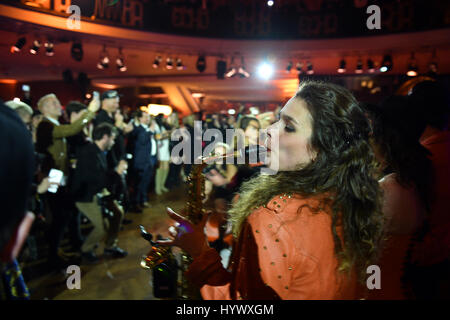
[51, 141]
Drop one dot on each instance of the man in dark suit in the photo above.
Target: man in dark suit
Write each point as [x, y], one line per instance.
[90, 184]
[145, 157]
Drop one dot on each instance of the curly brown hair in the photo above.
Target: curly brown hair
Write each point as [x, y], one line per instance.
[341, 175]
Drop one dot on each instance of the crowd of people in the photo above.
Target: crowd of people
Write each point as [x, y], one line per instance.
[107, 162]
[355, 185]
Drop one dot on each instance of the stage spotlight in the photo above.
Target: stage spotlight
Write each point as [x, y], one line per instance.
[19, 45]
[370, 66]
[241, 71]
[270, 3]
[309, 68]
[359, 66]
[169, 63]
[299, 67]
[104, 59]
[412, 66]
[157, 62]
[289, 67]
[35, 48]
[232, 71]
[265, 70]
[49, 49]
[77, 51]
[386, 65]
[120, 62]
[201, 64]
[180, 65]
[342, 65]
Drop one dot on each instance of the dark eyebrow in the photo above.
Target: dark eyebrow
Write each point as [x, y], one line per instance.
[288, 117]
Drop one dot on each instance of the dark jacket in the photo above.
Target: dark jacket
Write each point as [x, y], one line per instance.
[118, 188]
[117, 153]
[91, 173]
[16, 171]
[142, 147]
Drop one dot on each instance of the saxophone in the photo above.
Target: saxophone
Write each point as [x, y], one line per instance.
[194, 212]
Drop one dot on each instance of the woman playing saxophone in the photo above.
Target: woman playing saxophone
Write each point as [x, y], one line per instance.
[309, 230]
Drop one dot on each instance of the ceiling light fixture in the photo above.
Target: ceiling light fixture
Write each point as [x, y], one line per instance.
[157, 62]
[342, 65]
[201, 63]
[49, 48]
[35, 48]
[309, 68]
[77, 51]
[19, 45]
[387, 64]
[120, 62]
[104, 59]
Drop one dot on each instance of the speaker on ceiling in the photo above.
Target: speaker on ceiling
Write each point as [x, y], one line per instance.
[221, 69]
[67, 76]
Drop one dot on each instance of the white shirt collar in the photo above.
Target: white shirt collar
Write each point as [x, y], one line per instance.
[56, 122]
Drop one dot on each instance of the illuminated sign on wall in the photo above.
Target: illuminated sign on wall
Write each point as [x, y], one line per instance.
[254, 19]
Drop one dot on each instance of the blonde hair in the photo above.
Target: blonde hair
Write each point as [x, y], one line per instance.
[19, 106]
[43, 100]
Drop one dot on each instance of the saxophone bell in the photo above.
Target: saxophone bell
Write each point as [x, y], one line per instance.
[156, 255]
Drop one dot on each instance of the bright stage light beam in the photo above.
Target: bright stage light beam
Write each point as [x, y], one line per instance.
[265, 71]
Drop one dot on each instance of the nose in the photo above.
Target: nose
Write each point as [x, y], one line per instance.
[270, 129]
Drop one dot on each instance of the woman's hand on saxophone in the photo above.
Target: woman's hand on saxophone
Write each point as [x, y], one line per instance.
[189, 237]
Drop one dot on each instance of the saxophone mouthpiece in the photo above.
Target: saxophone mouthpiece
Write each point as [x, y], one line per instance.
[249, 153]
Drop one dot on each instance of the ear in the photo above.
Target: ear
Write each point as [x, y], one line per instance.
[12, 249]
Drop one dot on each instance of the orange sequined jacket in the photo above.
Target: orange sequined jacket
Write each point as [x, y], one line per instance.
[284, 251]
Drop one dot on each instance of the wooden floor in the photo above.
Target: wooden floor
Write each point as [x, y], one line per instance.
[121, 279]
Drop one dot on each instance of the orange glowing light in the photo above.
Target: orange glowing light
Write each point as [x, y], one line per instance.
[8, 81]
[106, 86]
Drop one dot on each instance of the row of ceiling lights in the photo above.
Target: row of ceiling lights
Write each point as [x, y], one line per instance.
[387, 65]
[34, 49]
[299, 67]
[169, 63]
[76, 52]
[265, 69]
[104, 60]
